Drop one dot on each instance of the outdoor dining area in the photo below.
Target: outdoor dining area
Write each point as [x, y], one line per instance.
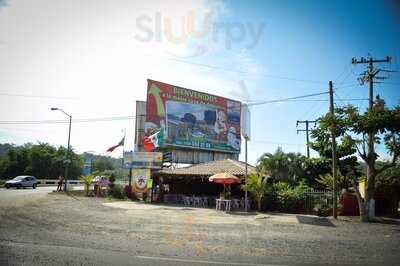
[215, 184]
[220, 203]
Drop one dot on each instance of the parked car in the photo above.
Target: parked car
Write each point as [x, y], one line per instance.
[22, 181]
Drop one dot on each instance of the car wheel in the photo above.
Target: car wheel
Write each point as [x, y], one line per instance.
[7, 187]
[18, 186]
[34, 186]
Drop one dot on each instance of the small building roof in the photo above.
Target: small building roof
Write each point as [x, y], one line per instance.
[230, 166]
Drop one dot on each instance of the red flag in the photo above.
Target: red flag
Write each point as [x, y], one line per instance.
[121, 143]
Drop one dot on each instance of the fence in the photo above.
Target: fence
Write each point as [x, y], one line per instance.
[54, 182]
[318, 199]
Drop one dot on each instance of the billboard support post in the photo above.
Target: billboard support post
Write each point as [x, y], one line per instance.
[245, 176]
[123, 150]
[245, 131]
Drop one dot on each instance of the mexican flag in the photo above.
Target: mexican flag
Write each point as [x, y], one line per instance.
[121, 143]
[154, 141]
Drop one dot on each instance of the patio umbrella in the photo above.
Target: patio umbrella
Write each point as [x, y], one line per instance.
[224, 178]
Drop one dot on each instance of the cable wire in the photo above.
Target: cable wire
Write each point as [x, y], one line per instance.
[287, 99]
[238, 71]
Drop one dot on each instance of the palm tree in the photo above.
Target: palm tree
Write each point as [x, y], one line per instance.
[256, 185]
[281, 166]
[87, 180]
[343, 182]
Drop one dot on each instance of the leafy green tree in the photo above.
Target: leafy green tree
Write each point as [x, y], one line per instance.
[312, 169]
[388, 182]
[5, 147]
[18, 162]
[293, 167]
[356, 133]
[75, 166]
[41, 160]
[103, 163]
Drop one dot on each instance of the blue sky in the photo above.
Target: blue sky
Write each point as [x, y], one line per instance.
[85, 57]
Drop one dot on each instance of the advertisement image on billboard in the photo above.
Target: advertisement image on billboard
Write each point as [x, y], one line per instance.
[193, 119]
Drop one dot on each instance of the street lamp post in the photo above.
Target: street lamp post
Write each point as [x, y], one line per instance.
[67, 160]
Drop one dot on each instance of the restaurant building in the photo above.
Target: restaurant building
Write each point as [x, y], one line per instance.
[173, 184]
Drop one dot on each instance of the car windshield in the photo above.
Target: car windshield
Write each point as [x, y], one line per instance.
[19, 178]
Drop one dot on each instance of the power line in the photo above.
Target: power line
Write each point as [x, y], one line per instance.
[85, 120]
[58, 97]
[347, 86]
[325, 100]
[275, 143]
[314, 108]
[77, 98]
[238, 71]
[119, 118]
[287, 99]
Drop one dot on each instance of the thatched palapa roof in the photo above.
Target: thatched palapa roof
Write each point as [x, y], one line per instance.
[230, 166]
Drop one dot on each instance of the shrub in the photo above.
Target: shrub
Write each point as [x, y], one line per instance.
[256, 185]
[112, 181]
[269, 202]
[117, 191]
[290, 199]
[87, 180]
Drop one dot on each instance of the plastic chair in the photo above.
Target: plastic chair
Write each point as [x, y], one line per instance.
[235, 203]
[197, 202]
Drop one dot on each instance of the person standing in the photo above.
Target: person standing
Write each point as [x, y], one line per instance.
[60, 183]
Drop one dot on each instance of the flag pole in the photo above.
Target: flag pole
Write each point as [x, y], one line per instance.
[123, 149]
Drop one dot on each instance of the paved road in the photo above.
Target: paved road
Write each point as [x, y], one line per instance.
[73, 230]
[25, 253]
[13, 195]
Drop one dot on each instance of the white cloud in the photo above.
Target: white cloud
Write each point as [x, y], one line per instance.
[87, 50]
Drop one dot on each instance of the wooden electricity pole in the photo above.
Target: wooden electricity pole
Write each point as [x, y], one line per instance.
[334, 172]
[369, 76]
[307, 122]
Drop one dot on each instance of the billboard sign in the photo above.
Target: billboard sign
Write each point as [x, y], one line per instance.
[151, 160]
[193, 119]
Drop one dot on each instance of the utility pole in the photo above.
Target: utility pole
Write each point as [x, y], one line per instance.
[245, 179]
[307, 122]
[368, 76]
[334, 173]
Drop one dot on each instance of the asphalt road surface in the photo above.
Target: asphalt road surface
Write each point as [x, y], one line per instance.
[14, 196]
[56, 229]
